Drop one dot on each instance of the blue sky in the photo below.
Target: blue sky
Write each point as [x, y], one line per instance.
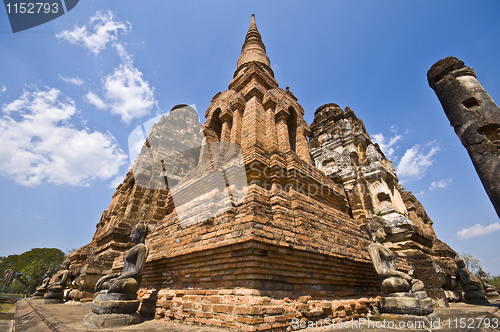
[73, 89]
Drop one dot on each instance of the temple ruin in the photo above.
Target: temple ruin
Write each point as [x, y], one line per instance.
[289, 243]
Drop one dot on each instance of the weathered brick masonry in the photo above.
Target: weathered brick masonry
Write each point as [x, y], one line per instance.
[290, 237]
[294, 246]
[248, 309]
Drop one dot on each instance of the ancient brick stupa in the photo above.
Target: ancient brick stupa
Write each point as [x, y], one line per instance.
[294, 243]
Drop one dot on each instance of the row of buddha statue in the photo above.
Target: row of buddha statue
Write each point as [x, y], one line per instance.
[116, 302]
[403, 294]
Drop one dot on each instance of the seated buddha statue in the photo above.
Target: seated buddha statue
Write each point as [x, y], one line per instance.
[55, 290]
[129, 280]
[42, 289]
[383, 259]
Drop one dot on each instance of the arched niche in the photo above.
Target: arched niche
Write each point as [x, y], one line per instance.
[292, 128]
[215, 124]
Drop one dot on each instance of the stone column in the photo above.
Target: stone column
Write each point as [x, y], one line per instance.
[235, 135]
[282, 128]
[226, 120]
[236, 129]
[475, 118]
[253, 125]
[302, 146]
[271, 132]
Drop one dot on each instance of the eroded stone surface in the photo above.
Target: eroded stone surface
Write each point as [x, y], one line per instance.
[474, 116]
[114, 306]
[407, 304]
[111, 320]
[342, 148]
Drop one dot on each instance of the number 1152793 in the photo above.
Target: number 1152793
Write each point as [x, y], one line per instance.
[472, 322]
[32, 8]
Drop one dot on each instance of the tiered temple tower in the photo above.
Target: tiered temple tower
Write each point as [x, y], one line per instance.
[343, 150]
[291, 233]
[285, 240]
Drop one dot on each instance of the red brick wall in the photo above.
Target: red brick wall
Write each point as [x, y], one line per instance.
[247, 309]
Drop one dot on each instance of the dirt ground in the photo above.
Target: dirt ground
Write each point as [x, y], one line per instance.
[33, 316]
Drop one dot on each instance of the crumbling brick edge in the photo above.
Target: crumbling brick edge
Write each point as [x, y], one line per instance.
[246, 309]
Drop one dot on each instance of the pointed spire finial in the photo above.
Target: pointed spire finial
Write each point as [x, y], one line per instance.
[253, 49]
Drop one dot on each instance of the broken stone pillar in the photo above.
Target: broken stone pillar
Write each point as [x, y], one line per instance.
[474, 116]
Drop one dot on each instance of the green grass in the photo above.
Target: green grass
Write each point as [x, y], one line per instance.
[6, 307]
[7, 302]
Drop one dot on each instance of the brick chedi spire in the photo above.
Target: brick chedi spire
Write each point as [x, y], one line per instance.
[251, 233]
[292, 214]
[253, 50]
[271, 117]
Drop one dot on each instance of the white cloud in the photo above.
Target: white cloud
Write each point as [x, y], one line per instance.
[387, 147]
[4, 88]
[126, 58]
[39, 143]
[103, 28]
[126, 93]
[440, 184]
[477, 230]
[96, 101]
[74, 80]
[415, 162]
